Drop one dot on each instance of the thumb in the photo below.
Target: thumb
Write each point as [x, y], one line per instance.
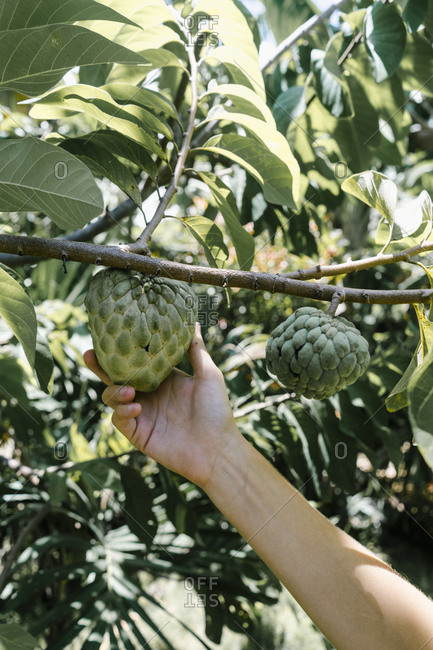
[200, 358]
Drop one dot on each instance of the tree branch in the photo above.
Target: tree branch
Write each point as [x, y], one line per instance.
[302, 31]
[141, 243]
[116, 257]
[318, 271]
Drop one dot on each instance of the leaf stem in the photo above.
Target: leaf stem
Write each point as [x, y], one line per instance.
[141, 243]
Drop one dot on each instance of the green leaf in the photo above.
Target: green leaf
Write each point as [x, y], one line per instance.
[332, 88]
[18, 312]
[399, 396]
[288, 106]
[104, 164]
[15, 15]
[12, 379]
[124, 147]
[36, 175]
[243, 99]
[412, 215]
[414, 13]
[44, 365]
[35, 59]
[279, 181]
[150, 41]
[138, 505]
[135, 122]
[376, 190]
[226, 204]
[385, 39]
[208, 235]
[420, 408]
[415, 70]
[13, 637]
[242, 68]
[127, 93]
[238, 52]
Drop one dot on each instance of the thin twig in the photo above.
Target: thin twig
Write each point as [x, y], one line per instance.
[141, 243]
[42, 512]
[118, 258]
[302, 31]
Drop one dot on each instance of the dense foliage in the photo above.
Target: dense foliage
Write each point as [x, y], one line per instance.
[153, 123]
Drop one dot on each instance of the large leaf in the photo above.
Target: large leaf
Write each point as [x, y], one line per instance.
[332, 88]
[13, 637]
[242, 68]
[412, 215]
[420, 408]
[376, 190]
[18, 312]
[35, 59]
[288, 106]
[124, 93]
[415, 70]
[385, 38]
[243, 99]
[399, 396]
[122, 146]
[131, 120]
[150, 40]
[15, 15]
[138, 505]
[36, 175]
[269, 170]
[104, 164]
[414, 13]
[44, 365]
[239, 52]
[266, 133]
[208, 235]
[226, 204]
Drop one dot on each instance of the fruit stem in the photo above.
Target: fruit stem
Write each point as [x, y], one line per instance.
[336, 299]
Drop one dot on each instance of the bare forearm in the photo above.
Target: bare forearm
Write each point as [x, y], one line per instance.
[352, 596]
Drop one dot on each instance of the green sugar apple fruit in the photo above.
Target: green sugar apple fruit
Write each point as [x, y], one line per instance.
[316, 355]
[141, 325]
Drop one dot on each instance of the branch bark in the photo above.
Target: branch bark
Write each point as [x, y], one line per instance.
[116, 257]
[302, 31]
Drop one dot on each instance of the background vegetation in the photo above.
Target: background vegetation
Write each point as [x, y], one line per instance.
[100, 546]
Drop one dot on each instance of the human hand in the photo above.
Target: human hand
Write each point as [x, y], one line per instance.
[185, 424]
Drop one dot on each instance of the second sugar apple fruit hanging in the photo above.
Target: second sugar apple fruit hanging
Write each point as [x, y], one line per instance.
[141, 325]
[316, 355]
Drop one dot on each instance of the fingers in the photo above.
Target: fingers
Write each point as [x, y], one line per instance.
[92, 363]
[114, 395]
[200, 358]
[126, 425]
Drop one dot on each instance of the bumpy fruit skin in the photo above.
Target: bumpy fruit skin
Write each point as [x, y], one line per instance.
[316, 355]
[141, 325]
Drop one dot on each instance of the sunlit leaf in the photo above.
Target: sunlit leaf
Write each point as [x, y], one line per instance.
[17, 310]
[385, 38]
[15, 15]
[376, 190]
[226, 204]
[33, 60]
[36, 175]
[208, 235]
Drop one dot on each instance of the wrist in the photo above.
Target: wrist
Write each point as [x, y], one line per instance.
[230, 467]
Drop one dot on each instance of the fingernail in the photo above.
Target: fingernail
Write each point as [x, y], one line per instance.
[124, 391]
